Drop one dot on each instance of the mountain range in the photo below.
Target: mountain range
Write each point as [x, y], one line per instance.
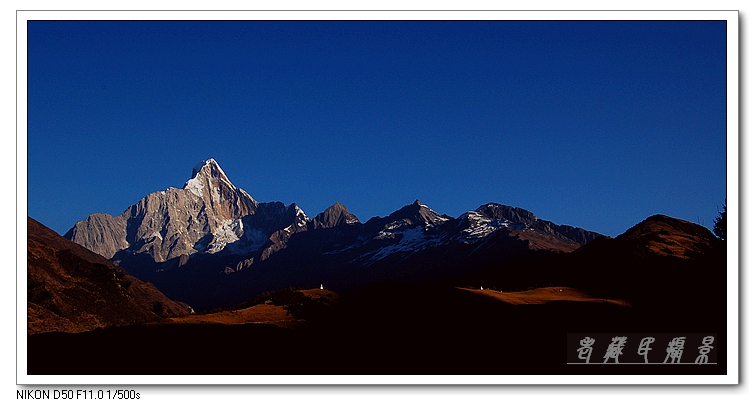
[211, 244]
[495, 290]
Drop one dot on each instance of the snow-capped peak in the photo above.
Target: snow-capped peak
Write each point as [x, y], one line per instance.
[205, 173]
[209, 168]
[415, 214]
[202, 164]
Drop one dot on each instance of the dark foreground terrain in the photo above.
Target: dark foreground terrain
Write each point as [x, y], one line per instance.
[388, 329]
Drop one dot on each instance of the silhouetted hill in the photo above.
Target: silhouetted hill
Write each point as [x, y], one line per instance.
[662, 263]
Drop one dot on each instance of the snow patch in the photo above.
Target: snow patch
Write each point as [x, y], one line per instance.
[481, 226]
[412, 240]
[300, 212]
[252, 240]
[215, 194]
[395, 225]
[301, 217]
[229, 232]
[195, 186]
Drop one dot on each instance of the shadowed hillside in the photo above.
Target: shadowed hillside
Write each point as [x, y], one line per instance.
[71, 289]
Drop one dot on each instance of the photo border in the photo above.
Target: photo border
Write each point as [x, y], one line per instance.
[732, 179]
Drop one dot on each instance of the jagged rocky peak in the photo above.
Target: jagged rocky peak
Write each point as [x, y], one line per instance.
[210, 169]
[422, 214]
[412, 215]
[209, 166]
[335, 215]
[208, 176]
[168, 224]
[301, 218]
[100, 233]
[210, 184]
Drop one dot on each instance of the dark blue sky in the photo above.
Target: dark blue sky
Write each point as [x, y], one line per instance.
[592, 124]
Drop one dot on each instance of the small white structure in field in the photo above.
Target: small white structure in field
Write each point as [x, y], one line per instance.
[321, 287]
[480, 288]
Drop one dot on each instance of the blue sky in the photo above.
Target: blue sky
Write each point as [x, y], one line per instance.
[592, 124]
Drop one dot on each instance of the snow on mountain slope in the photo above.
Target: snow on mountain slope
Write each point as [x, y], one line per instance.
[406, 240]
[416, 227]
[481, 226]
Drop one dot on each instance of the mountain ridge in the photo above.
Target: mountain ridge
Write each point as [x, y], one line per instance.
[215, 231]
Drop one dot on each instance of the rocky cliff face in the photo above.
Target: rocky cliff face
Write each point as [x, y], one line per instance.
[101, 233]
[204, 216]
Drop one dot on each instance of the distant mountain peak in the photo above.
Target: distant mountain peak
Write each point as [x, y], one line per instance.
[202, 164]
[336, 214]
[417, 213]
[206, 215]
